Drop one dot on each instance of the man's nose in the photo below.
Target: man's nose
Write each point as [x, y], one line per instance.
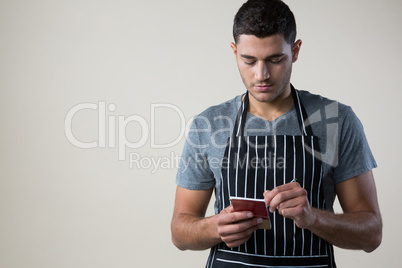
[262, 72]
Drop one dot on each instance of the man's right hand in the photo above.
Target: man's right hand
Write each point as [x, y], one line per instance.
[192, 230]
[235, 228]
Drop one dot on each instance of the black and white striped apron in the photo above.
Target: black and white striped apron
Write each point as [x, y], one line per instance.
[253, 164]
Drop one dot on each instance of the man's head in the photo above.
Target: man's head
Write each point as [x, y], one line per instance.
[264, 18]
[265, 48]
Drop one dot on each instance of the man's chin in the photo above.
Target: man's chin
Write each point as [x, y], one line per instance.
[261, 96]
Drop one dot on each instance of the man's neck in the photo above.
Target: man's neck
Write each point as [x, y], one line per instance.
[273, 109]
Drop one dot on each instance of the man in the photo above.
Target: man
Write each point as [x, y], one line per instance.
[292, 148]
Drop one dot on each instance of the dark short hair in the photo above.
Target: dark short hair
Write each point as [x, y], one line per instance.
[264, 18]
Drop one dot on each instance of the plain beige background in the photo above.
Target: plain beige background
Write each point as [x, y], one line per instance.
[64, 206]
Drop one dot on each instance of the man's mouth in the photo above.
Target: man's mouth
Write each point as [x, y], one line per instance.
[262, 87]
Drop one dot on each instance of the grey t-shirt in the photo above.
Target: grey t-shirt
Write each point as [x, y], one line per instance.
[345, 152]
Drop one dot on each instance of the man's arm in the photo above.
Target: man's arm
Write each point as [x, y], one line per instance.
[191, 230]
[359, 227]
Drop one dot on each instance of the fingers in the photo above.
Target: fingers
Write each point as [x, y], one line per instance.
[238, 233]
[285, 207]
[284, 196]
[293, 212]
[229, 216]
[291, 202]
[287, 199]
[235, 228]
[269, 195]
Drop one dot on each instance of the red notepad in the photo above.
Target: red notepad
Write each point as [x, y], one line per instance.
[257, 206]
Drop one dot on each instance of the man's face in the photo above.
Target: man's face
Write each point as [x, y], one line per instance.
[265, 65]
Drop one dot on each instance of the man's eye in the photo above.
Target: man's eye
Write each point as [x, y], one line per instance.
[249, 62]
[276, 60]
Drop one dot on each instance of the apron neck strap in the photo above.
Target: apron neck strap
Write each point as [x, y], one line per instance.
[302, 116]
[238, 129]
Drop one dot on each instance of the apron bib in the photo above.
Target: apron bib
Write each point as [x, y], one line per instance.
[253, 164]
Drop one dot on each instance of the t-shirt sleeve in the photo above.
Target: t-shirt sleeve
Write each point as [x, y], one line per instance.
[354, 156]
[194, 172]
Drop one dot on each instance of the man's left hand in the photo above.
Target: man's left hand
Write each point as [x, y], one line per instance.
[291, 202]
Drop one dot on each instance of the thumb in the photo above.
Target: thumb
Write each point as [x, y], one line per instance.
[266, 195]
[230, 209]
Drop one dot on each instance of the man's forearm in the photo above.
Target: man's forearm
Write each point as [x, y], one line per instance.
[358, 230]
[195, 233]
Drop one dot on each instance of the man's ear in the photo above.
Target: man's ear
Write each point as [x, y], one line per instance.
[296, 50]
[234, 48]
